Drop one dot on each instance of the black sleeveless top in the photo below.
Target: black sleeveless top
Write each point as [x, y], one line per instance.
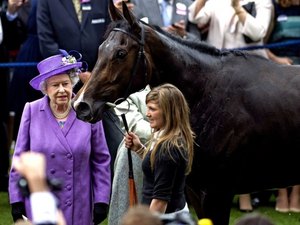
[167, 179]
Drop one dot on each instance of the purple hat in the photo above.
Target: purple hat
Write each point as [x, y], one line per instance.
[55, 65]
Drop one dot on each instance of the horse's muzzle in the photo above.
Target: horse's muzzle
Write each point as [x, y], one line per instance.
[84, 112]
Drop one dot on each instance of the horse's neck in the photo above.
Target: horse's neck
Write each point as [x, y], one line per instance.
[180, 65]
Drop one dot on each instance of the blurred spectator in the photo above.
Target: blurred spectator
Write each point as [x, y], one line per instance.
[32, 166]
[171, 15]
[72, 25]
[12, 37]
[233, 23]
[286, 27]
[288, 200]
[20, 91]
[140, 215]
[254, 219]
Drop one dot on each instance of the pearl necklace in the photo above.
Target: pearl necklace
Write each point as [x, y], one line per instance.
[61, 115]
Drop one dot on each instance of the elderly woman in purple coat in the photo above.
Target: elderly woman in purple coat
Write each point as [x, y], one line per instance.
[76, 152]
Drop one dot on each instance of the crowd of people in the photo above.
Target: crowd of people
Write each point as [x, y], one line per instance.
[64, 37]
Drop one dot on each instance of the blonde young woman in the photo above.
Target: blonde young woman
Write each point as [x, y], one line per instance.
[168, 157]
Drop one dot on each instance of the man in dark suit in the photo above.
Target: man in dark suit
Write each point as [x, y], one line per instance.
[60, 27]
[171, 15]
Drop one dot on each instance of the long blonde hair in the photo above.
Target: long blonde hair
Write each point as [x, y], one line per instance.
[177, 130]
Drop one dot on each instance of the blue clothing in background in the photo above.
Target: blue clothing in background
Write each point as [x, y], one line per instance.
[20, 91]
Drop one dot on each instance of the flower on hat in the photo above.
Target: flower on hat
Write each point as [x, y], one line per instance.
[69, 59]
[73, 57]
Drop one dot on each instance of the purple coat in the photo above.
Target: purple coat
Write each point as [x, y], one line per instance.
[77, 154]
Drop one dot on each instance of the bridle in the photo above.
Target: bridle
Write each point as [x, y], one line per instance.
[140, 57]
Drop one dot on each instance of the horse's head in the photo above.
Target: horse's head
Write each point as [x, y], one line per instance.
[121, 69]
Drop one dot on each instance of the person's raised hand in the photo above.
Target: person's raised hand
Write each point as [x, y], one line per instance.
[32, 166]
[14, 5]
[178, 28]
[235, 4]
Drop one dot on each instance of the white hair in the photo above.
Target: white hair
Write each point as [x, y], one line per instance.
[73, 75]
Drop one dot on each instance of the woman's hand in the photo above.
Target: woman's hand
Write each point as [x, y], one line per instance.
[15, 5]
[235, 4]
[132, 141]
[239, 10]
[177, 28]
[278, 59]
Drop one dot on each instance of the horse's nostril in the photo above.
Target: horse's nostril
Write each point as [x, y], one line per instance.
[83, 111]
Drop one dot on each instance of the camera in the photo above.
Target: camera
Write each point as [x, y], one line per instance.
[53, 184]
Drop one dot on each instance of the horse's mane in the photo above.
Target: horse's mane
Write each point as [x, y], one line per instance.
[197, 45]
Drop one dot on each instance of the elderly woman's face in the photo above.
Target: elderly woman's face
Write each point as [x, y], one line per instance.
[59, 89]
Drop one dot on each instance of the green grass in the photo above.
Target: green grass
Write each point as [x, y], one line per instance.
[5, 217]
[268, 211]
[277, 218]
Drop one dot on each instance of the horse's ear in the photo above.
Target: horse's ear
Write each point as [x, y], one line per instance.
[131, 19]
[114, 13]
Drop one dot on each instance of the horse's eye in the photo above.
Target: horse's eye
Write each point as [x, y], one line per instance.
[121, 54]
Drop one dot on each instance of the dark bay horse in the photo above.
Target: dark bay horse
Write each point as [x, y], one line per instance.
[245, 109]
